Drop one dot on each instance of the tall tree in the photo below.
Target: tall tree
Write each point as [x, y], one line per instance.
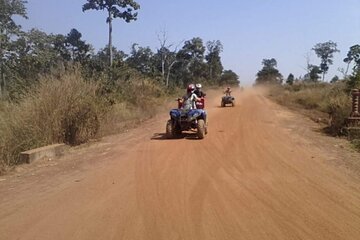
[165, 57]
[191, 61]
[163, 52]
[325, 51]
[8, 30]
[354, 56]
[116, 9]
[269, 74]
[193, 50]
[214, 60]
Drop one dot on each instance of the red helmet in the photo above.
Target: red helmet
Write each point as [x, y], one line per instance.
[191, 88]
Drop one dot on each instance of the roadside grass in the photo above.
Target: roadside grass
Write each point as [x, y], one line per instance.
[322, 99]
[59, 109]
[356, 143]
[141, 99]
[65, 108]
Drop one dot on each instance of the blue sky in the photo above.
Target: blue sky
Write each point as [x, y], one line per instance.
[250, 30]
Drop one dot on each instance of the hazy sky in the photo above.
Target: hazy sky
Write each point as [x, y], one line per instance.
[250, 30]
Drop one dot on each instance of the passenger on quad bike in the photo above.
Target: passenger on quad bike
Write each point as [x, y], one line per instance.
[198, 91]
[188, 101]
[227, 91]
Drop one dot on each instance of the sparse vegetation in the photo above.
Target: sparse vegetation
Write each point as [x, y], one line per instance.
[332, 99]
[64, 107]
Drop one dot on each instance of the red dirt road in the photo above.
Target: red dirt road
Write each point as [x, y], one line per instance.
[256, 175]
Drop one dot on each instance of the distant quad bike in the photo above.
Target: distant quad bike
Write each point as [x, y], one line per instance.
[186, 120]
[227, 100]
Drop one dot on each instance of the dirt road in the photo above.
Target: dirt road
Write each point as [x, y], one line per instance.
[258, 174]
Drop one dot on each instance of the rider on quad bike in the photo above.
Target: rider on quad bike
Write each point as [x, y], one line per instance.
[188, 101]
[199, 93]
[227, 99]
[227, 91]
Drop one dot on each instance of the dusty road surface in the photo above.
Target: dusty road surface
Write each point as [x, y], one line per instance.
[259, 174]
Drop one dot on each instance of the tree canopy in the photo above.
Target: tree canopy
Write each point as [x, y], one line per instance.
[228, 77]
[213, 59]
[269, 74]
[353, 55]
[325, 51]
[123, 9]
[9, 30]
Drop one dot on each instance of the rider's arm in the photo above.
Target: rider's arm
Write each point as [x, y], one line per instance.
[195, 98]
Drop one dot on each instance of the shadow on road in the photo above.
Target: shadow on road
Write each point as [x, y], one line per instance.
[184, 135]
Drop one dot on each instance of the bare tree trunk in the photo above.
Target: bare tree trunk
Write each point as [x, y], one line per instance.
[162, 40]
[110, 39]
[168, 73]
[323, 78]
[162, 66]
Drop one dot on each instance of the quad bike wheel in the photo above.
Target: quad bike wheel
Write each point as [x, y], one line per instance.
[177, 131]
[233, 103]
[169, 129]
[172, 131]
[222, 104]
[201, 129]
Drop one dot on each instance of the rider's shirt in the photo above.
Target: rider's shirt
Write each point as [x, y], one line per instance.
[189, 101]
[199, 93]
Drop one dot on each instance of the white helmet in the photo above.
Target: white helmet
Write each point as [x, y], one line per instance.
[198, 85]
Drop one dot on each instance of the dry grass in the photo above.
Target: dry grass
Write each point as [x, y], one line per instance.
[331, 99]
[136, 100]
[63, 107]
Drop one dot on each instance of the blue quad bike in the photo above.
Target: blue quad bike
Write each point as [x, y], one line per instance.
[190, 120]
[227, 100]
